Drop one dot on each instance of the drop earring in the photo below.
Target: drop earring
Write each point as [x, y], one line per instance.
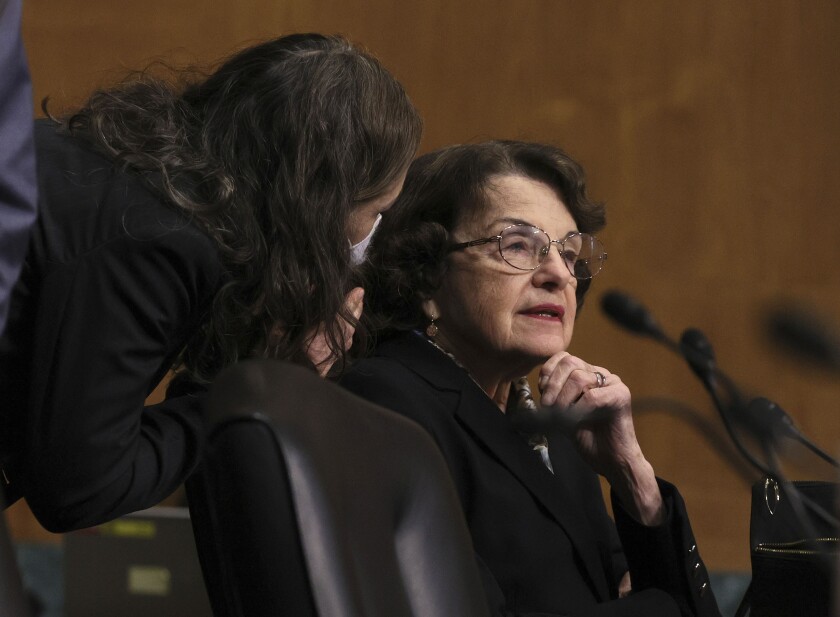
[432, 329]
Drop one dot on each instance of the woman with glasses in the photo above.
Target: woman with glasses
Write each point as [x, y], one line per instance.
[474, 281]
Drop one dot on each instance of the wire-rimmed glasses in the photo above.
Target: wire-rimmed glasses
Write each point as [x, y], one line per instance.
[525, 247]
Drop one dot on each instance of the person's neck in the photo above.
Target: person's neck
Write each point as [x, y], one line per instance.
[495, 383]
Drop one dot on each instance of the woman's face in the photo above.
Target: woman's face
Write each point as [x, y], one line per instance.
[497, 320]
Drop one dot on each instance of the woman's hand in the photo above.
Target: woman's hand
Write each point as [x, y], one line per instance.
[597, 404]
[319, 350]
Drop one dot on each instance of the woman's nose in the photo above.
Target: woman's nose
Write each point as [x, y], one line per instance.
[553, 268]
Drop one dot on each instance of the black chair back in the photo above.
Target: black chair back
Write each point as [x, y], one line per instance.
[313, 502]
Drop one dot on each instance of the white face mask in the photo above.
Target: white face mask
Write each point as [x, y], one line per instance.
[358, 250]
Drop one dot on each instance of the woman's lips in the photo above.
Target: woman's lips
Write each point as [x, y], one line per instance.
[552, 312]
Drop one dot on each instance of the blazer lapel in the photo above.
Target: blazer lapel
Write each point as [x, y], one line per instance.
[484, 420]
[488, 424]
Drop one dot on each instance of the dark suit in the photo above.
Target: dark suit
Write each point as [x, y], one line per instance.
[545, 541]
[17, 153]
[114, 285]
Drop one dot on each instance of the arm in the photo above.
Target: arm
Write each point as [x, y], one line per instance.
[17, 154]
[107, 327]
[601, 423]
[650, 516]
[666, 556]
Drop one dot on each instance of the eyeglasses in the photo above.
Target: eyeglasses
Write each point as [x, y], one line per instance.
[525, 247]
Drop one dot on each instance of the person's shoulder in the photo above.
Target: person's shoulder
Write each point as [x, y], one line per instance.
[378, 372]
[90, 204]
[394, 381]
[79, 188]
[398, 358]
[58, 150]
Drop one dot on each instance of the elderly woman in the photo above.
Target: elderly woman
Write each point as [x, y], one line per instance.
[475, 278]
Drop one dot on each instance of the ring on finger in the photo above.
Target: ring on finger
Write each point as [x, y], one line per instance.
[600, 380]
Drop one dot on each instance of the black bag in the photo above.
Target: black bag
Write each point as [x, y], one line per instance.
[793, 564]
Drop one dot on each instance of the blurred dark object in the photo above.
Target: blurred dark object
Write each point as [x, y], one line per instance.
[806, 334]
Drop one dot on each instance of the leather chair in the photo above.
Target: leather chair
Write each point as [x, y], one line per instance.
[313, 502]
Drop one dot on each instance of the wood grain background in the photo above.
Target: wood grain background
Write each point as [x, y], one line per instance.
[710, 129]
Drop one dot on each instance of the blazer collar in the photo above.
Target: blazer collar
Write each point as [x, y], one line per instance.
[482, 418]
[413, 351]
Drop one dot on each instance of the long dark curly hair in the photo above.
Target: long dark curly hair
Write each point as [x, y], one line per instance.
[407, 258]
[268, 155]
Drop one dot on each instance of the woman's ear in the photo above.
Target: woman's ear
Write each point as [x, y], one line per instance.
[430, 309]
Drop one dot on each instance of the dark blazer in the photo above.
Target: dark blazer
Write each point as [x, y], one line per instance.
[17, 153]
[545, 541]
[113, 286]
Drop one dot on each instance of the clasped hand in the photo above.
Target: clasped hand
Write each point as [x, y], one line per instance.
[595, 403]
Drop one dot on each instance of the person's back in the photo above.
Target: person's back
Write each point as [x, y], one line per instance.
[177, 230]
[98, 252]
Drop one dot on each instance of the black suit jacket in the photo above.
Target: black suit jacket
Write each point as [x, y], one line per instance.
[545, 541]
[113, 286]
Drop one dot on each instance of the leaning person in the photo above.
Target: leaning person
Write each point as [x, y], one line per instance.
[191, 224]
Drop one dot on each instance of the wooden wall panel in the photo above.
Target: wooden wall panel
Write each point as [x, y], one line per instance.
[709, 128]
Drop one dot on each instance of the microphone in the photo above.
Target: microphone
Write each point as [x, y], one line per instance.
[805, 334]
[632, 315]
[694, 347]
[764, 419]
[698, 351]
[766, 414]
[761, 417]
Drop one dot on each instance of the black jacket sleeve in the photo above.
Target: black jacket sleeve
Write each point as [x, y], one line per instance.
[107, 326]
[666, 556]
[114, 286]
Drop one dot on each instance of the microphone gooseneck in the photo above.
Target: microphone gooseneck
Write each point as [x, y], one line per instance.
[760, 417]
[697, 351]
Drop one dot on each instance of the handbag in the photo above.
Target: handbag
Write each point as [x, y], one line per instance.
[793, 549]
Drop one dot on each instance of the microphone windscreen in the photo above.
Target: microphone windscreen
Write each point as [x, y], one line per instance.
[629, 313]
[806, 335]
[695, 340]
[697, 350]
[766, 419]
